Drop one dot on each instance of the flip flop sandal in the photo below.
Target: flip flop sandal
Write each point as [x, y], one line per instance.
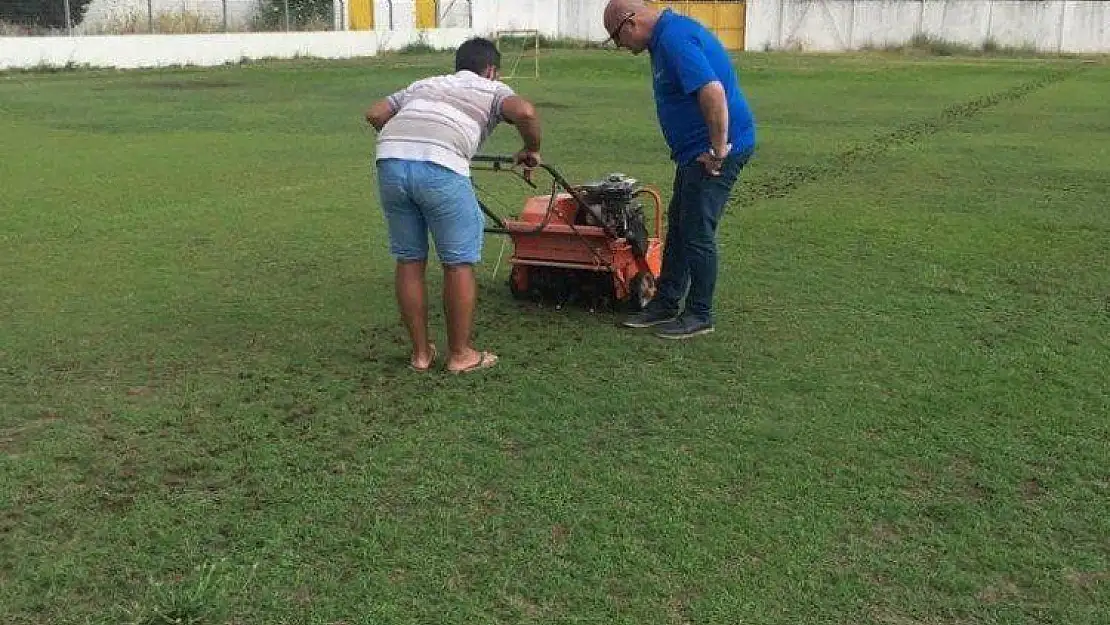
[487, 360]
[431, 361]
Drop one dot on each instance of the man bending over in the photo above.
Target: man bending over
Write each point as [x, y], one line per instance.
[428, 134]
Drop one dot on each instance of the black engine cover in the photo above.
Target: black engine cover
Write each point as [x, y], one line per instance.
[615, 200]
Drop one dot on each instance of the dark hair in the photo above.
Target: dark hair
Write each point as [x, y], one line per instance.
[476, 55]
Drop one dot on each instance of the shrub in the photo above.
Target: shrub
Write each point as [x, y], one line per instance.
[303, 14]
[42, 13]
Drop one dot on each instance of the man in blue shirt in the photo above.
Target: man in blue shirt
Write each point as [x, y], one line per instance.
[708, 126]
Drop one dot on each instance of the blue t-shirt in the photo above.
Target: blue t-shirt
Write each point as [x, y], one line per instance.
[684, 57]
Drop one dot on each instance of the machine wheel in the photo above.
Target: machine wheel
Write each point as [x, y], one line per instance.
[641, 291]
[518, 282]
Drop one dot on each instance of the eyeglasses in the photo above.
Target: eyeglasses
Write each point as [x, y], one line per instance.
[617, 31]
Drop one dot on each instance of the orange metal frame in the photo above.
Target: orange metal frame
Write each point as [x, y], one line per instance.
[565, 245]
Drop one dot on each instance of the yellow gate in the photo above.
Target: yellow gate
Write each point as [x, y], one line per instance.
[426, 13]
[726, 18]
[362, 14]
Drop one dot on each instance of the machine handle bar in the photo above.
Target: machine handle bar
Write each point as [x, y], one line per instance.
[498, 160]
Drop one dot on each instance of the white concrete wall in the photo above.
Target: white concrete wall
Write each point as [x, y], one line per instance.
[831, 25]
[1087, 26]
[135, 51]
[880, 22]
[493, 15]
[581, 19]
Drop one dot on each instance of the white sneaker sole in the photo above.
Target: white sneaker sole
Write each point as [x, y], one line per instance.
[688, 335]
[645, 324]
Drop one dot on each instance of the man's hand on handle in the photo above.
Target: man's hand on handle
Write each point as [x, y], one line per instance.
[529, 160]
[522, 114]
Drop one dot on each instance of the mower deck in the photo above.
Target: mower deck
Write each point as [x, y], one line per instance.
[578, 244]
[562, 245]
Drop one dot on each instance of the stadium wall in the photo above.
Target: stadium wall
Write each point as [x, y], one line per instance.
[138, 51]
[1062, 26]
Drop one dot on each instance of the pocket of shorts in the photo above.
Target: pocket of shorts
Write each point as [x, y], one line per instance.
[440, 187]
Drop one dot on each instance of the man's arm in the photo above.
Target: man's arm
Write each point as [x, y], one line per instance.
[383, 110]
[714, 108]
[380, 113]
[522, 114]
[697, 78]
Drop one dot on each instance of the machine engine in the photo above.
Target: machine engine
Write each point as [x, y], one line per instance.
[614, 199]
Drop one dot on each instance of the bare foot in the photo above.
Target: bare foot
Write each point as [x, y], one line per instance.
[474, 361]
[424, 362]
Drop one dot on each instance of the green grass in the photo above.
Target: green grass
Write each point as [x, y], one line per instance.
[901, 420]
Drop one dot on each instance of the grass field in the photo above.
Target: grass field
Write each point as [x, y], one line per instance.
[902, 418]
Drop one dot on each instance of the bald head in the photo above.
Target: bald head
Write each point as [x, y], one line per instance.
[616, 14]
[617, 9]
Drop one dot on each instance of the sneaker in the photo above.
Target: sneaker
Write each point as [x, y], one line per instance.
[649, 317]
[683, 328]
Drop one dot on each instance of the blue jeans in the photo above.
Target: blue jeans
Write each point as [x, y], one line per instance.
[420, 197]
[690, 252]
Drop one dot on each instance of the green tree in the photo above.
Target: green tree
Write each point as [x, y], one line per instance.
[42, 13]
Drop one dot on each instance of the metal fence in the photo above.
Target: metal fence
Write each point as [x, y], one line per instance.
[123, 17]
[394, 14]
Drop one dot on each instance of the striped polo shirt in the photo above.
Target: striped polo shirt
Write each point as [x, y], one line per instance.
[443, 119]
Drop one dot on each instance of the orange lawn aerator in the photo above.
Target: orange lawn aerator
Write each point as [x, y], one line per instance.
[583, 243]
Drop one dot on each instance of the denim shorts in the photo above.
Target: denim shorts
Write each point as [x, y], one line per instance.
[421, 197]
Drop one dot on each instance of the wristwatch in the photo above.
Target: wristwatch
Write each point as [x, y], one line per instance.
[720, 157]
